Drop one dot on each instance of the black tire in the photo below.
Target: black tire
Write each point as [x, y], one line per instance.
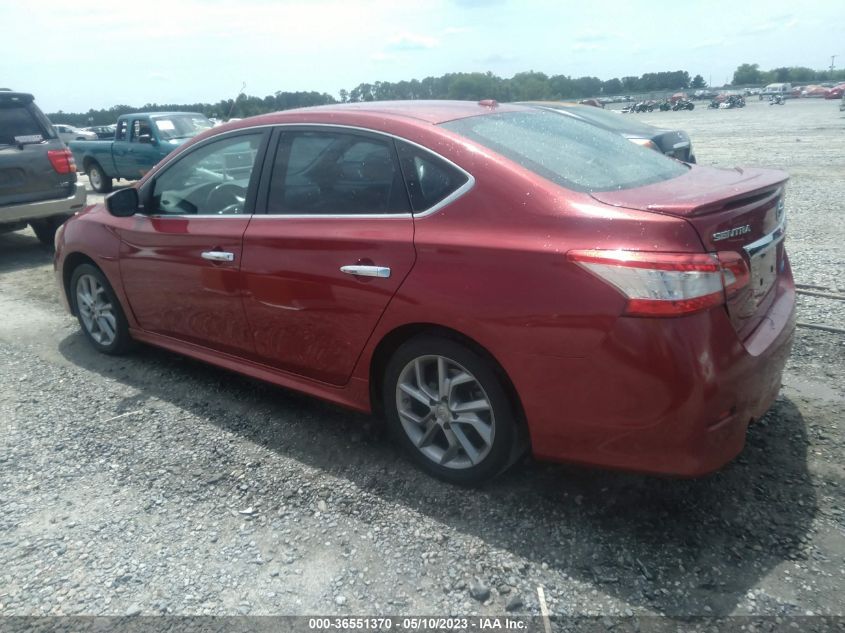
[122, 342]
[507, 443]
[45, 229]
[98, 179]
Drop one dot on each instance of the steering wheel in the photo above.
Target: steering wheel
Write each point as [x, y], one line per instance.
[226, 198]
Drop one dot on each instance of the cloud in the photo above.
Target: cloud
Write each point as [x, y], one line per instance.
[711, 43]
[412, 42]
[593, 36]
[785, 22]
[381, 56]
[497, 58]
[157, 76]
[457, 30]
[476, 4]
[584, 46]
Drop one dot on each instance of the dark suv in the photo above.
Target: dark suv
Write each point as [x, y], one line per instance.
[37, 172]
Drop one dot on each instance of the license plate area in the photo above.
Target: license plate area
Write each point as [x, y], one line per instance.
[764, 270]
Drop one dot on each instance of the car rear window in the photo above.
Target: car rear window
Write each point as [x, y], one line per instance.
[570, 153]
[20, 120]
[609, 120]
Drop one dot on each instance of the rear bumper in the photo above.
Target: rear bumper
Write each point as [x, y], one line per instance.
[668, 396]
[44, 208]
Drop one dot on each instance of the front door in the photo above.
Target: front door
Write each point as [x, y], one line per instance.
[335, 243]
[180, 259]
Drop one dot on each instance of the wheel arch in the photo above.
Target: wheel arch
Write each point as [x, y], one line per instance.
[72, 261]
[391, 341]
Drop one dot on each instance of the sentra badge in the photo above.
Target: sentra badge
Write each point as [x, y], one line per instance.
[734, 232]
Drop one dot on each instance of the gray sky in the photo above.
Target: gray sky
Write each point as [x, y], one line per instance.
[99, 53]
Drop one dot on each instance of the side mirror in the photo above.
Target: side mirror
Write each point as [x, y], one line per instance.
[123, 203]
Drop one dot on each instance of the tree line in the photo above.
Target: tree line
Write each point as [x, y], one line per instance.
[751, 75]
[524, 86]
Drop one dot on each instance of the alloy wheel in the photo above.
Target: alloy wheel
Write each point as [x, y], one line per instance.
[445, 412]
[96, 310]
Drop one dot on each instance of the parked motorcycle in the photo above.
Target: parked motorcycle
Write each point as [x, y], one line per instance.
[683, 104]
[714, 104]
[776, 100]
[733, 101]
[664, 105]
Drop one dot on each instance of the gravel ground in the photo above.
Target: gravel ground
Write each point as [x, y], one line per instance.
[154, 484]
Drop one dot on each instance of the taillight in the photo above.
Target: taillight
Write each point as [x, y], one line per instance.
[62, 161]
[645, 142]
[664, 284]
[735, 272]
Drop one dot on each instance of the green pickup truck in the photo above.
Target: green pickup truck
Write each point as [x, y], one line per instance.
[141, 141]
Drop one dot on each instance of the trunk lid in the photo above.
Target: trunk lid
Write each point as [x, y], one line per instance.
[734, 210]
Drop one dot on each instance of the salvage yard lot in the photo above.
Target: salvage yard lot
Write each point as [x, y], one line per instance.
[155, 484]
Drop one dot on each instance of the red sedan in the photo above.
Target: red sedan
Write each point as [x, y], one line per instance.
[835, 92]
[489, 278]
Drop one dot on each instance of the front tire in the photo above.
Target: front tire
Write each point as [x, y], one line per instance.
[446, 406]
[98, 179]
[99, 311]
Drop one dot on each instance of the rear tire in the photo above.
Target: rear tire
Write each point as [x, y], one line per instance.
[446, 406]
[98, 179]
[99, 311]
[45, 229]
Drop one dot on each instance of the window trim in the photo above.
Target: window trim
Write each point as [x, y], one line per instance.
[145, 193]
[265, 169]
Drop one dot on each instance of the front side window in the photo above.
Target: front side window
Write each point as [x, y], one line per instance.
[140, 127]
[335, 173]
[570, 153]
[211, 180]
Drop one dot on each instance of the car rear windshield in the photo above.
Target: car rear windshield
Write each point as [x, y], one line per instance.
[19, 120]
[570, 153]
[609, 120]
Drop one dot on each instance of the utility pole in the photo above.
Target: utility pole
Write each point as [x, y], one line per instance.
[832, 59]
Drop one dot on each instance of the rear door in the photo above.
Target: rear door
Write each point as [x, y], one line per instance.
[26, 174]
[333, 245]
[180, 260]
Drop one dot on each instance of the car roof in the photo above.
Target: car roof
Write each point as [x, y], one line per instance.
[433, 112]
[8, 96]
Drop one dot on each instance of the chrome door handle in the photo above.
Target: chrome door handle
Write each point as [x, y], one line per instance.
[218, 256]
[366, 271]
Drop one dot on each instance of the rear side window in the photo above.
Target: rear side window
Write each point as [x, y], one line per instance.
[20, 121]
[335, 173]
[430, 179]
[570, 153]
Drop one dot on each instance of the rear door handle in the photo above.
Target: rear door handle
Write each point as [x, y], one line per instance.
[366, 271]
[218, 256]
